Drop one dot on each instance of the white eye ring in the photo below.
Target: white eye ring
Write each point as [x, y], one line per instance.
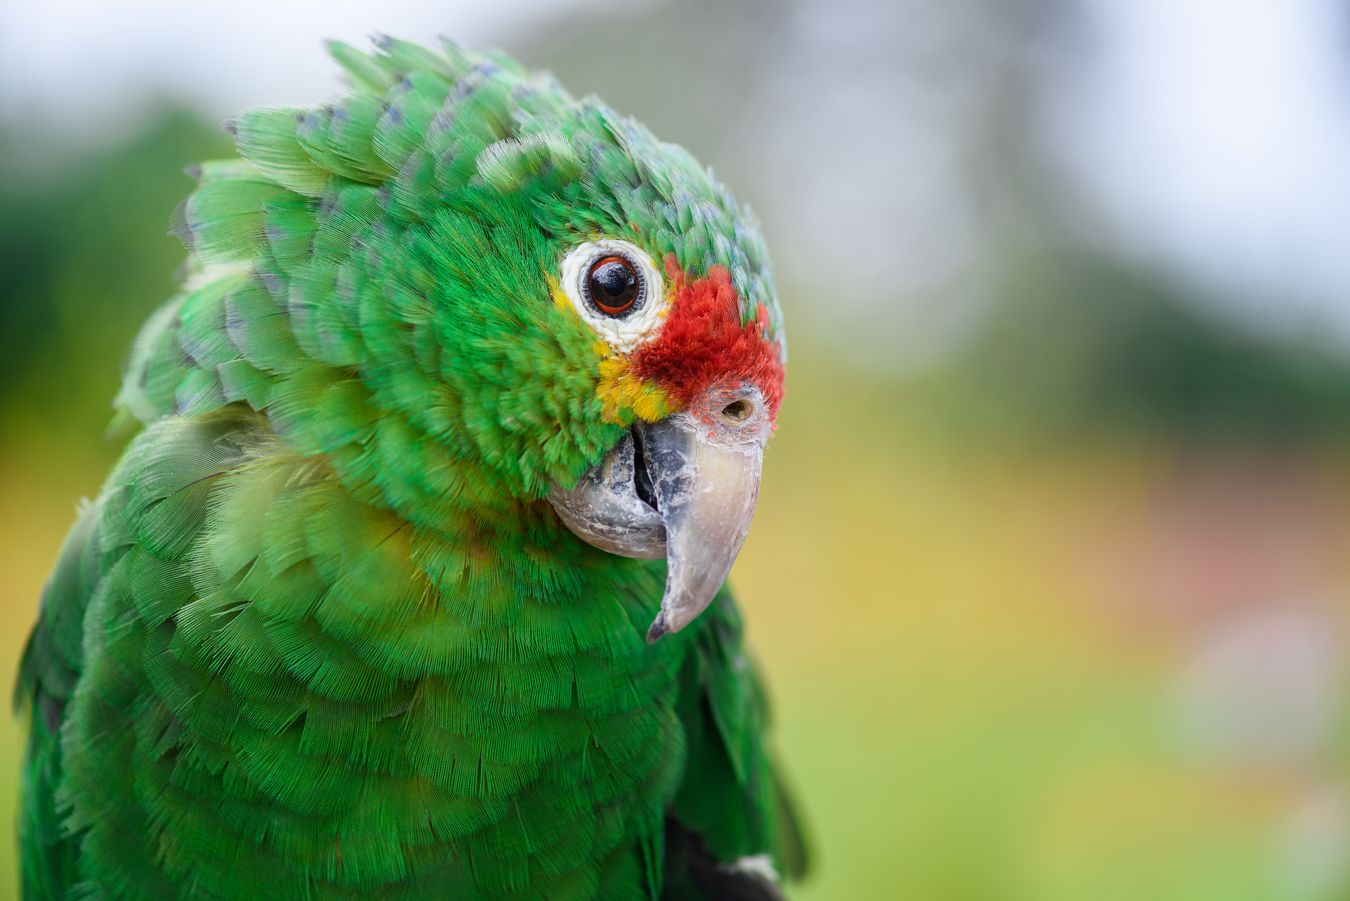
[627, 331]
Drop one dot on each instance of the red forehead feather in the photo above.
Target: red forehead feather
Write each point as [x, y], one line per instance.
[704, 341]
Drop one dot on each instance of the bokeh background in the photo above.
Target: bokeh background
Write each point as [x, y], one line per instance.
[1049, 575]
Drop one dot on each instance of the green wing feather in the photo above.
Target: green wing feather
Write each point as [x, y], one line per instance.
[47, 674]
[732, 800]
[258, 688]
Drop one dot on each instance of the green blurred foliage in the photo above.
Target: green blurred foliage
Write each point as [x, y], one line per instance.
[86, 257]
[1080, 346]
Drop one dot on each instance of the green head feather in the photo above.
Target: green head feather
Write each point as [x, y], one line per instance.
[385, 267]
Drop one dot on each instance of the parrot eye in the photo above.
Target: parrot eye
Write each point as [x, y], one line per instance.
[613, 285]
[617, 289]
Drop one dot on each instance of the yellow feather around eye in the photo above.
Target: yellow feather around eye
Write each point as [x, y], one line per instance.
[621, 391]
[622, 394]
[560, 299]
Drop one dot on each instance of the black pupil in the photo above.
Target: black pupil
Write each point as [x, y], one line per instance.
[614, 286]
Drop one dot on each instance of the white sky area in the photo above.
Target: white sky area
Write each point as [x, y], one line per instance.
[1215, 134]
[1212, 136]
[76, 59]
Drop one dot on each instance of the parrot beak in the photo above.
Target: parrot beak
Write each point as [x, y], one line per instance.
[705, 491]
[684, 488]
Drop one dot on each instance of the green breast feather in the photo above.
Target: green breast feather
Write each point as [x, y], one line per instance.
[341, 622]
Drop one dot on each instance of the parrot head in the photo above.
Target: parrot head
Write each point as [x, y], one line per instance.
[655, 354]
[566, 307]
[701, 385]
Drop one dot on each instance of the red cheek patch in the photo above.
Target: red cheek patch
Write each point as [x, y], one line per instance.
[703, 341]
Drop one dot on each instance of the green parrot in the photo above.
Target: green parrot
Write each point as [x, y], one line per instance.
[410, 583]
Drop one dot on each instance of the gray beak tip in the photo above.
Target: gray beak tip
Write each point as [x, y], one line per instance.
[658, 629]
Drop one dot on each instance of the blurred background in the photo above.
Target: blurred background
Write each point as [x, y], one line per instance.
[1049, 575]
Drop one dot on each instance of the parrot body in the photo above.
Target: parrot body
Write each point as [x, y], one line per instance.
[328, 631]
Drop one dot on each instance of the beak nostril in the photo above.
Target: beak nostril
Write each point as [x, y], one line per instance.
[737, 411]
